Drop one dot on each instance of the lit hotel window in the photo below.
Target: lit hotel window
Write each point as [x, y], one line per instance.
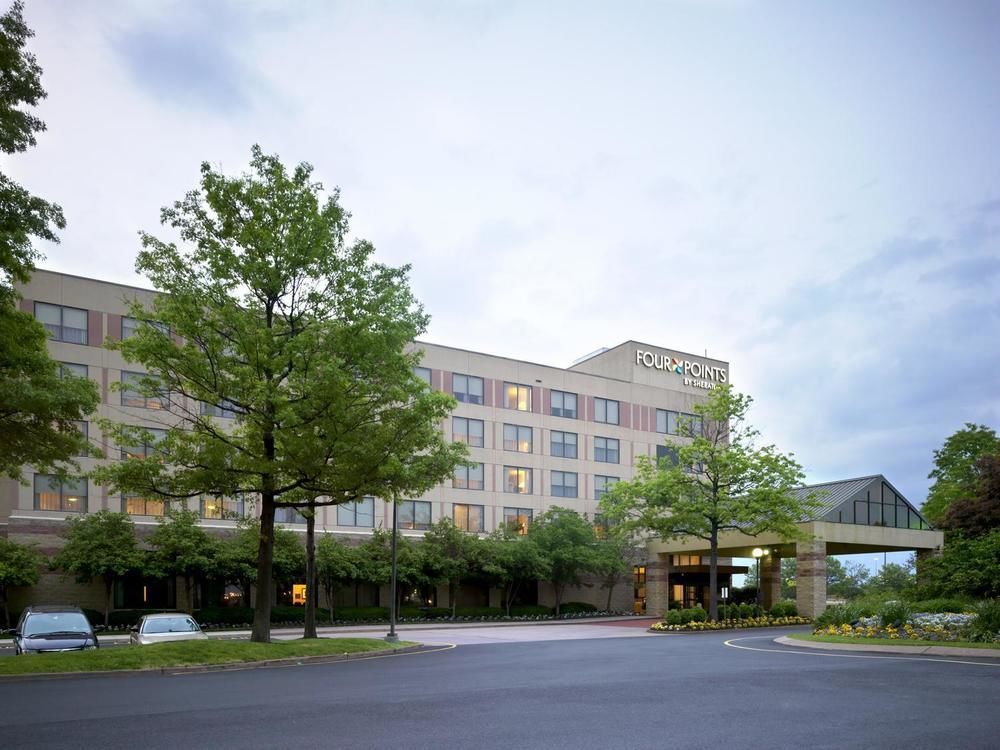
[469, 431]
[221, 508]
[517, 396]
[563, 404]
[68, 495]
[605, 410]
[139, 505]
[518, 519]
[517, 438]
[469, 517]
[144, 450]
[467, 388]
[517, 480]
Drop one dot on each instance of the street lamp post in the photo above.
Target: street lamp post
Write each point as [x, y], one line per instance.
[391, 636]
[758, 553]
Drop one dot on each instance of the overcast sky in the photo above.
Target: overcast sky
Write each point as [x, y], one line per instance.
[810, 193]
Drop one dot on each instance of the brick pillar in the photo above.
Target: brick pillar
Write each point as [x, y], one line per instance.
[810, 577]
[657, 587]
[770, 580]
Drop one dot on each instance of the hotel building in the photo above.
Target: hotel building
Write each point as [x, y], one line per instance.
[541, 435]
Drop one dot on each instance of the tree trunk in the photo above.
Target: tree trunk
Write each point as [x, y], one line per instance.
[310, 620]
[611, 587]
[453, 595]
[713, 576]
[558, 589]
[261, 632]
[6, 612]
[189, 588]
[331, 592]
[109, 587]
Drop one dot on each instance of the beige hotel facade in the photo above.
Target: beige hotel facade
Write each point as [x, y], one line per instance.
[541, 436]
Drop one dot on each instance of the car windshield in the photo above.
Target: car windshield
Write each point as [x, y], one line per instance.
[55, 622]
[169, 625]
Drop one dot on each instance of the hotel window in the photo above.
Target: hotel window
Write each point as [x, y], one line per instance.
[517, 480]
[68, 495]
[517, 396]
[469, 517]
[69, 368]
[286, 515]
[606, 450]
[563, 444]
[518, 519]
[84, 429]
[227, 410]
[131, 325]
[517, 438]
[602, 484]
[564, 484]
[414, 514]
[468, 477]
[140, 505]
[221, 508]
[144, 450]
[67, 324]
[132, 393]
[605, 410]
[469, 431]
[563, 404]
[357, 513]
[467, 388]
[424, 373]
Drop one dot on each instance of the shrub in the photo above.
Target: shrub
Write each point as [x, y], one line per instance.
[695, 614]
[673, 617]
[479, 612]
[357, 614]
[224, 615]
[786, 608]
[837, 614]
[573, 608]
[894, 613]
[942, 605]
[985, 626]
[530, 610]
[749, 610]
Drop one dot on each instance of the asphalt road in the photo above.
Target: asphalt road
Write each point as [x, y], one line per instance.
[670, 691]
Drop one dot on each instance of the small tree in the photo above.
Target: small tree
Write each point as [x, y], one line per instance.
[180, 547]
[236, 557]
[375, 562]
[100, 545]
[446, 554]
[617, 553]
[20, 565]
[508, 560]
[336, 567]
[719, 480]
[955, 473]
[566, 541]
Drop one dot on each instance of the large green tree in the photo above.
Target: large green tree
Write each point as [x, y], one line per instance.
[38, 408]
[717, 480]
[100, 545]
[20, 565]
[269, 312]
[567, 543]
[955, 473]
[978, 513]
[510, 560]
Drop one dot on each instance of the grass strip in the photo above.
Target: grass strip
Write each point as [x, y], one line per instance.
[187, 653]
[889, 641]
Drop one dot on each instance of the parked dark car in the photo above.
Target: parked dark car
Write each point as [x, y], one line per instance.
[43, 629]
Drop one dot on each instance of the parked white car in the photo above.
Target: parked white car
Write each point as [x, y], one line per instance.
[165, 628]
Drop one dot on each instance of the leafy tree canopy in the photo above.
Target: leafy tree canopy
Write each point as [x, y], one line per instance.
[20, 565]
[719, 479]
[955, 473]
[978, 513]
[566, 541]
[508, 559]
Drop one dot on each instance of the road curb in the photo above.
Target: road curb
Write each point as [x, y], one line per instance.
[911, 650]
[225, 667]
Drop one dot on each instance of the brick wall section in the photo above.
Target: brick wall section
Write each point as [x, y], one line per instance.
[657, 587]
[810, 578]
[770, 580]
[95, 327]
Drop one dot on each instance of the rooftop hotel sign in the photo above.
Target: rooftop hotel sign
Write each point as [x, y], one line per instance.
[695, 374]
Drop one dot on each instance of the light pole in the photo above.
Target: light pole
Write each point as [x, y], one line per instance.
[391, 636]
[758, 553]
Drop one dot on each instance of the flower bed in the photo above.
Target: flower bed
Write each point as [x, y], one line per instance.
[924, 627]
[752, 622]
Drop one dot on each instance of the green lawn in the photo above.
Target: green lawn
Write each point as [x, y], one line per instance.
[888, 642]
[186, 653]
